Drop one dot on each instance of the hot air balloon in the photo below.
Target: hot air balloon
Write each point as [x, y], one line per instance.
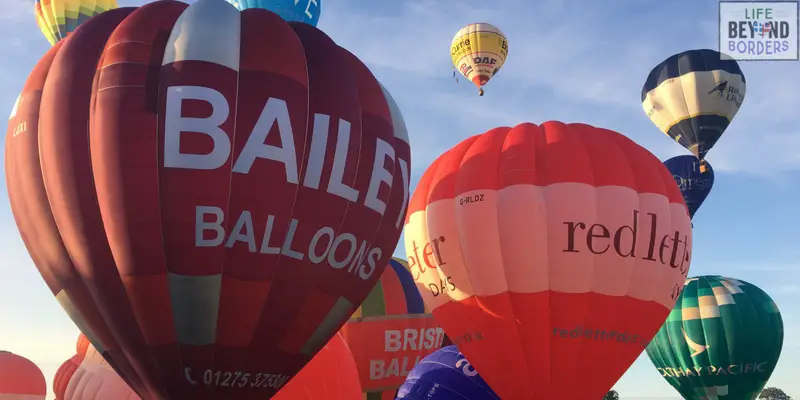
[331, 375]
[693, 96]
[20, 379]
[307, 11]
[213, 201]
[391, 332]
[97, 382]
[59, 18]
[64, 374]
[695, 185]
[721, 341]
[543, 249]
[478, 51]
[445, 375]
[95, 379]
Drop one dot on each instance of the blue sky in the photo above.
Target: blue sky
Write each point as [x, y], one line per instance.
[570, 60]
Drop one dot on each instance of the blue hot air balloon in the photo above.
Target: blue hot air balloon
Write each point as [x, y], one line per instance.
[290, 10]
[695, 185]
[445, 375]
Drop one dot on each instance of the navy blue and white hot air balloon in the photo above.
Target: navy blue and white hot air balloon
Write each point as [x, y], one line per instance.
[445, 375]
[693, 96]
[694, 184]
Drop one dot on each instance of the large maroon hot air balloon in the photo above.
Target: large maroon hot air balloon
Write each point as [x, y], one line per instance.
[209, 194]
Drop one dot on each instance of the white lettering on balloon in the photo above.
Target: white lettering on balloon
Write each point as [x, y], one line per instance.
[275, 111]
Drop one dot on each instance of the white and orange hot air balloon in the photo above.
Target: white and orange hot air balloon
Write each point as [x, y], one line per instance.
[544, 250]
[20, 378]
[94, 379]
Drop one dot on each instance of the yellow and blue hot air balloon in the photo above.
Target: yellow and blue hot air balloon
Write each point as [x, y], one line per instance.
[478, 52]
[693, 96]
[59, 18]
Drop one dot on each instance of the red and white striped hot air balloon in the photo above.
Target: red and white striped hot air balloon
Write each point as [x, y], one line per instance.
[544, 250]
[20, 379]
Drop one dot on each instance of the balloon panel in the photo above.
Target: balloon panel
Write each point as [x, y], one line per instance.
[209, 253]
[537, 248]
[723, 338]
[445, 375]
[307, 11]
[478, 51]
[386, 350]
[391, 331]
[693, 96]
[695, 186]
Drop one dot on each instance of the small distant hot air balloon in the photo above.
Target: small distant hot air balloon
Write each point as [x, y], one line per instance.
[307, 11]
[64, 374]
[721, 341]
[543, 249]
[479, 51]
[59, 18]
[391, 332]
[331, 375]
[20, 379]
[693, 96]
[445, 375]
[183, 263]
[695, 185]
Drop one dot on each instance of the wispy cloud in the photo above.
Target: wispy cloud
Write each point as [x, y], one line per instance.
[788, 289]
[16, 10]
[571, 68]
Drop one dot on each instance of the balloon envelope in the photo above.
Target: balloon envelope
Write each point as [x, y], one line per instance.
[59, 18]
[722, 340]
[183, 274]
[20, 379]
[391, 331]
[331, 375]
[478, 52]
[695, 186]
[693, 96]
[535, 248]
[307, 11]
[445, 375]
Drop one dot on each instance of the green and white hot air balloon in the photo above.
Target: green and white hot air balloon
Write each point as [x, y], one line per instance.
[720, 342]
